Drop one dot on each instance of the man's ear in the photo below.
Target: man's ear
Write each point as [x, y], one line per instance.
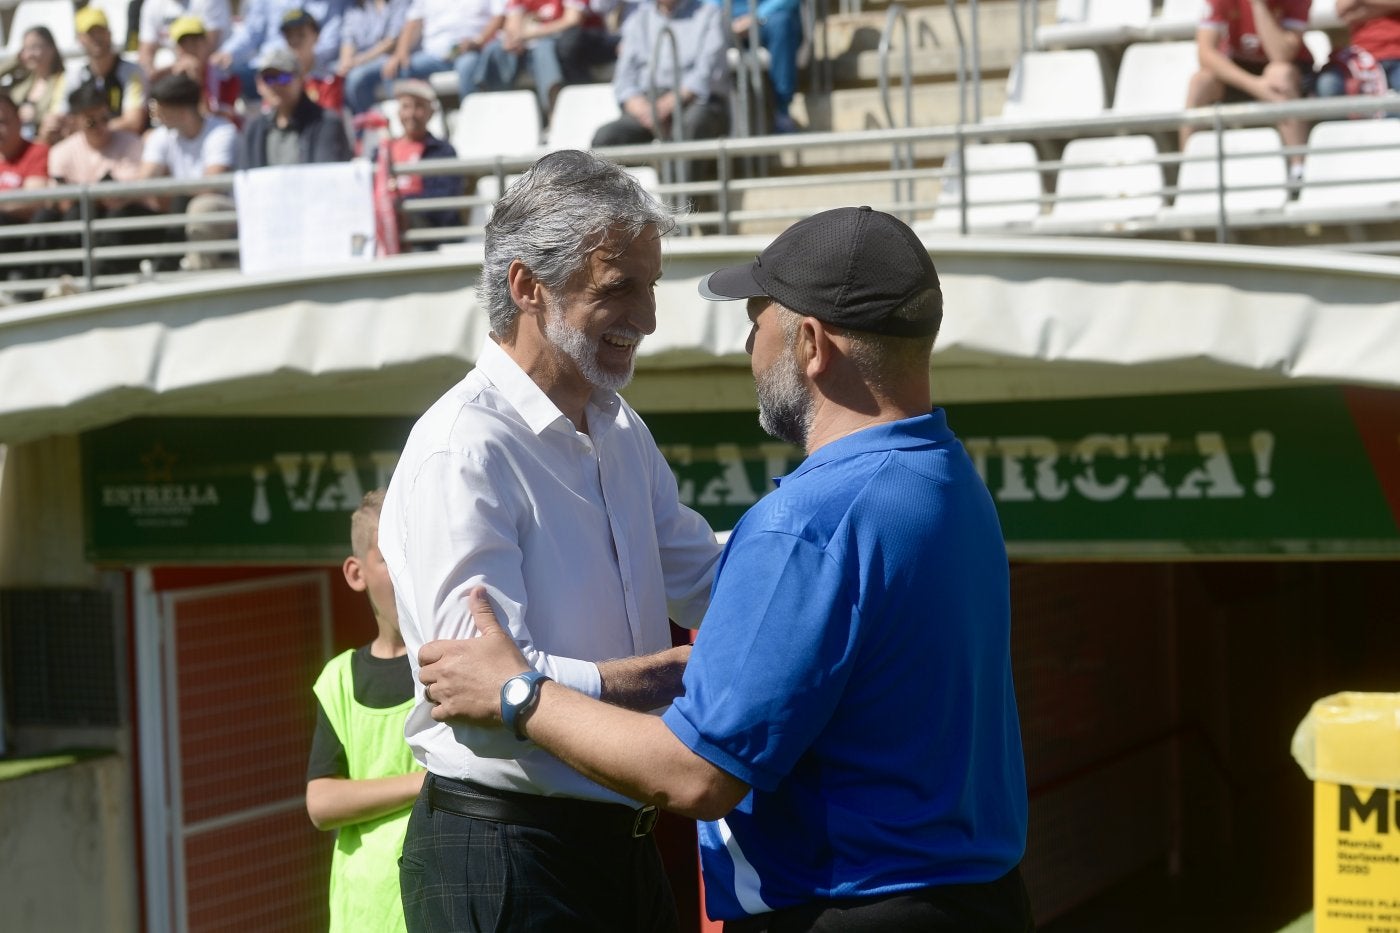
[814, 348]
[354, 574]
[525, 289]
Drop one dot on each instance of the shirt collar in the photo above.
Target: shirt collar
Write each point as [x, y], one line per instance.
[535, 408]
[908, 433]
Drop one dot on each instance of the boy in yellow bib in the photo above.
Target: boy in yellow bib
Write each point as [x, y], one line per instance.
[362, 779]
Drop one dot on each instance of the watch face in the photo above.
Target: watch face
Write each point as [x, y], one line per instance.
[517, 690]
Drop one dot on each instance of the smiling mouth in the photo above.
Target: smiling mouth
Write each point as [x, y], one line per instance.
[621, 343]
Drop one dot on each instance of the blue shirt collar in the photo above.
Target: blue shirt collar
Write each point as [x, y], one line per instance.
[919, 431]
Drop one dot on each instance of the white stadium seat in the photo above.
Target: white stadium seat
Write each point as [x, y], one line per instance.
[1319, 46]
[995, 172]
[1153, 77]
[1057, 85]
[1253, 160]
[1338, 174]
[1323, 15]
[1102, 22]
[497, 123]
[579, 110]
[1115, 176]
[1178, 19]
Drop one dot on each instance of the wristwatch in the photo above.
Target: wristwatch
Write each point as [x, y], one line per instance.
[518, 696]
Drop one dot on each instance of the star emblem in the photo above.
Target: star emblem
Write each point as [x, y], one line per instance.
[159, 464]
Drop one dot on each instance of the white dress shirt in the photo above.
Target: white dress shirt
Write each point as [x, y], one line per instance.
[580, 539]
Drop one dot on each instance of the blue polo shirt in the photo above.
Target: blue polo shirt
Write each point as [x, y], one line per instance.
[854, 669]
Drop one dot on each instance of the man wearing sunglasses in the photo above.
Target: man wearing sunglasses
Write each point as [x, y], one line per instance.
[291, 130]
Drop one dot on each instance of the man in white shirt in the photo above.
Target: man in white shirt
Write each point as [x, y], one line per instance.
[534, 478]
[446, 35]
[187, 144]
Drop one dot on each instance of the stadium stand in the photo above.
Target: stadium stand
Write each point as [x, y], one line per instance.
[578, 112]
[1352, 171]
[1153, 76]
[1106, 182]
[1255, 175]
[1003, 189]
[1055, 85]
[1095, 22]
[492, 123]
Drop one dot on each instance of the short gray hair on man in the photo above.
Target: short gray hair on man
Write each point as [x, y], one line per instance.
[554, 218]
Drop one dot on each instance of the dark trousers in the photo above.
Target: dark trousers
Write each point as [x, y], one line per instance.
[108, 238]
[701, 119]
[1000, 906]
[465, 874]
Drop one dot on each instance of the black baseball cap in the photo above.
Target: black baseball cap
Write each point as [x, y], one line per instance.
[851, 267]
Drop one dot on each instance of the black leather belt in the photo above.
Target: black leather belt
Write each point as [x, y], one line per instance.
[560, 814]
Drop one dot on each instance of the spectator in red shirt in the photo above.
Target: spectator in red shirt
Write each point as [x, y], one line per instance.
[1253, 50]
[23, 164]
[1375, 30]
[416, 102]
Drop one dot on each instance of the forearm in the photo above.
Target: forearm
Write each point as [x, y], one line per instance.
[1280, 44]
[644, 683]
[1224, 68]
[335, 802]
[629, 752]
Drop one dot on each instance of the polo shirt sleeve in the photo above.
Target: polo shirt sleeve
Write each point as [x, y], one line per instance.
[155, 147]
[771, 661]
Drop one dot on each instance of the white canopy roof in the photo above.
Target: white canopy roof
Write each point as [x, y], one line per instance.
[1025, 319]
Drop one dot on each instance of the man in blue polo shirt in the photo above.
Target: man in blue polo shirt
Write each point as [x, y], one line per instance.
[849, 729]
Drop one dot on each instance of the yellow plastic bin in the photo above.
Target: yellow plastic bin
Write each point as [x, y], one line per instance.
[1349, 745]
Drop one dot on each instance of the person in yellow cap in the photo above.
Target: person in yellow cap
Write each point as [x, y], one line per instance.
[156, 31]
[193, 58]
[121, 83]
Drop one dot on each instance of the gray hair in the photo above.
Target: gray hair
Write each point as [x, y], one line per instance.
[559, 212]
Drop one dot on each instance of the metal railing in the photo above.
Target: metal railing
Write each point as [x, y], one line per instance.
[730, 190]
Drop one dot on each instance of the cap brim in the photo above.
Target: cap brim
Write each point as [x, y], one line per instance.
[732, 283]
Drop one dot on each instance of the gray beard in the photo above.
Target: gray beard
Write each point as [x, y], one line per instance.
[784, 406]
[577, 346]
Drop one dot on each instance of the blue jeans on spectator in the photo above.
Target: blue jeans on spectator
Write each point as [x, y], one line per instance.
[781, 35]
[1331, 81]
[362, 84]
[467, 65]
[499, 68]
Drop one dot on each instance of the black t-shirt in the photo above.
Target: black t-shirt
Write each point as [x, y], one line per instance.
[379, 683]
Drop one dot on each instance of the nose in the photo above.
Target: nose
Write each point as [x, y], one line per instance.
[643, 317]
[748, 344]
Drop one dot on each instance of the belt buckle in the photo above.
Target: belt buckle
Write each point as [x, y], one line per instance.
[644, 821]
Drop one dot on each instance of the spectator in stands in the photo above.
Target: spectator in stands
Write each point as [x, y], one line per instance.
[96, 153]
[260, 34]
[368, 38]
[1375, 30]
[452, 34]
[220, 90]
[23, 164]
[323, 85]
[187, 145]
[780, 32]
[533, 36]
[1253, 50]
[158, 18]
[702, 81]
[291, 129]
[416, 102]
[119, 81]
[36, 85]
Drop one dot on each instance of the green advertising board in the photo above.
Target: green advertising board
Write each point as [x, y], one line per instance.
[1277, 472]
